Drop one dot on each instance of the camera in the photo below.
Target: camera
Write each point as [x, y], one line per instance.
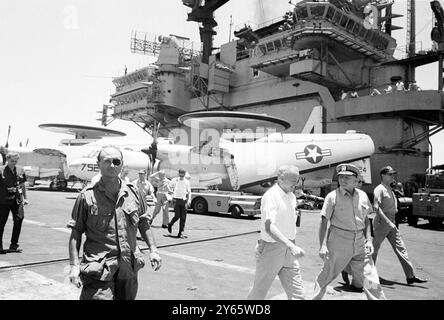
[12, 191]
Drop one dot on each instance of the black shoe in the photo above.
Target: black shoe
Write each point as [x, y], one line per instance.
[164, 226]
[169, 228]
[356, 289]
[416, 280]
[181, 235]
[14, 248]
[345, 277]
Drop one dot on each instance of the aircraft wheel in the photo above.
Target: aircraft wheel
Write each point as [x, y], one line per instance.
[199, 205]
[412, 220]
[236, 211]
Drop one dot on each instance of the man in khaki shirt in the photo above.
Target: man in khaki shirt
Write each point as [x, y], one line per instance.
[386, 208]
[349, 240]
[109, 213]
[163, 196]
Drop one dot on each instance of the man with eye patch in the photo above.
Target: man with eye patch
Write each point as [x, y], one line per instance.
[109, 213]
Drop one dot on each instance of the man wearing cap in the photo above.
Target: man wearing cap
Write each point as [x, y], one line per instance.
[163, 196]
[384, 227]
[109, 213]
[276, 251]
[349, 240]
[182, 200]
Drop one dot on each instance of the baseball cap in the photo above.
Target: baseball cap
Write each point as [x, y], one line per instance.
[386, 170]
[142, 171]
[347, 169]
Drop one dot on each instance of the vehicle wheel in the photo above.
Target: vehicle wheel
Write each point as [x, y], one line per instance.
[412, 220]
[236, 212]
[63, 184]
[53, 186]
[199, 205]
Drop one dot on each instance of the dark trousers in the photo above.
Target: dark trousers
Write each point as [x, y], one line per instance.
[180, 212]
[4, 214]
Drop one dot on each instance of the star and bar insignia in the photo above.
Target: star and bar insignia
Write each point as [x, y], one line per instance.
[313, 154]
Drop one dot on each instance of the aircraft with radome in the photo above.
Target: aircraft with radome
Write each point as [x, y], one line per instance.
[229, 155]
[230, 151]
[75, 159]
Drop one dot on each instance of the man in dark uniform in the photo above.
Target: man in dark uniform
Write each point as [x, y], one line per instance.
[109, 213]
[12, 198]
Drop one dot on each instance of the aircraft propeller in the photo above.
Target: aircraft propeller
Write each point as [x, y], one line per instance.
[4, 149]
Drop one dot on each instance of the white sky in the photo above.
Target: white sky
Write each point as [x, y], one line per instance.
[58, 58]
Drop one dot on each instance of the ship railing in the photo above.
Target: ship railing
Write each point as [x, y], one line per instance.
[129, 107]
[143, 74]
[401, 51]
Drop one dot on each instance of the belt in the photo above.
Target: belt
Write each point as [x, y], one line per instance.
[351, 231]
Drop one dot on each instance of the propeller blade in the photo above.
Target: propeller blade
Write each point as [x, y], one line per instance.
[27, 140]
[7, 138]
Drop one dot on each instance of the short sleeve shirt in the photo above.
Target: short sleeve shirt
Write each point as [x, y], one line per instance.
[95, 212]
[144, 186]
[347, 211]
[181, 188]
[164, 185]
[385, 198]
[280, 208]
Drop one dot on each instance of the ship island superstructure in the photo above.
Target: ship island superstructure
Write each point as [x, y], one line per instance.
[298, 68]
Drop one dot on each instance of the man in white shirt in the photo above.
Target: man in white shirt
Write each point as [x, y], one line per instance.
[276, 251]
[182, 200]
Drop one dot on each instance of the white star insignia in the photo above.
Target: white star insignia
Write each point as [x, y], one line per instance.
[313, 153]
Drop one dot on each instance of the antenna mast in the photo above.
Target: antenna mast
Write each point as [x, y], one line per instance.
[231, 24]
[411, 30]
